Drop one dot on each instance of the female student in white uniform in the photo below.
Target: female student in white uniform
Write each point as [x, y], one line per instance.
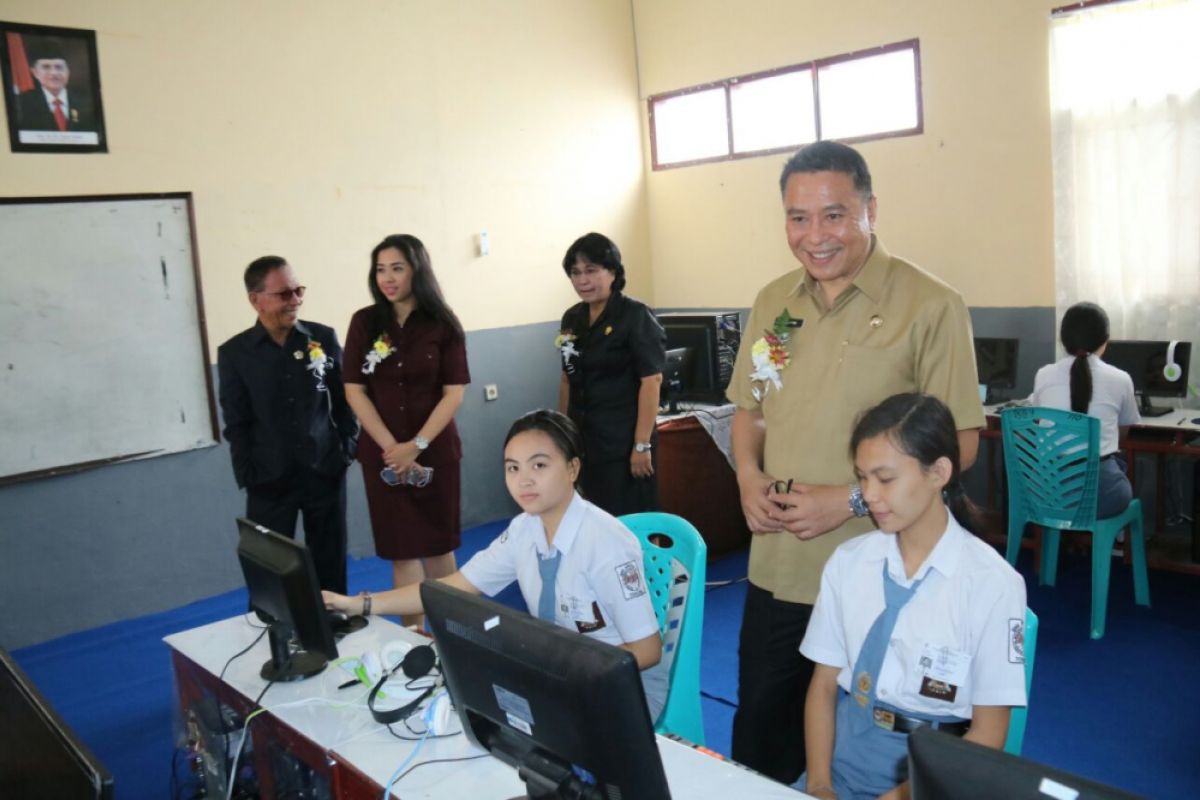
[1082, 382]
[917, 623]
[576, 565]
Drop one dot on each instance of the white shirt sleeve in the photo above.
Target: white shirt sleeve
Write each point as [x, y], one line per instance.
[1128, 413]
[619, 583]
[492, 569]
[825, 640]
[998, 665]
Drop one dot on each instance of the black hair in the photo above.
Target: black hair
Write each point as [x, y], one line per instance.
[559, 427]
[425, 287]
[599, 250]
[921, 426]
[1084, 330]
[258, 270]
[829, 157]
[44, 48]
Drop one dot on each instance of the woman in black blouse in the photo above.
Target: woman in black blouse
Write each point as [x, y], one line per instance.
[612, 350]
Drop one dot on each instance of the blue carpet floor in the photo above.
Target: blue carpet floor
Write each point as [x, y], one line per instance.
[1122, 710]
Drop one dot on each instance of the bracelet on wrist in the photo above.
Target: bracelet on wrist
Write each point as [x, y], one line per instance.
[366, 598]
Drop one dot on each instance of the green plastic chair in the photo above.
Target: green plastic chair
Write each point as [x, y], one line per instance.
[1052, 461]
[674, 557]
[1016, 719]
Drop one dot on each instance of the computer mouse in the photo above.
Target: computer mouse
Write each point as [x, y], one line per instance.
[337, 617]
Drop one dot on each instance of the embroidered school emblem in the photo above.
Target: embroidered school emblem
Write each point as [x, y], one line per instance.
[631, 580]
[1016, 641]
[863, 685]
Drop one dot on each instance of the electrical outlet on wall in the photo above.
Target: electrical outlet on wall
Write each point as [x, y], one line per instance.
[491, 392]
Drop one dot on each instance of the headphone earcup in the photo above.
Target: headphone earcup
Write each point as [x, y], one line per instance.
[1172, 371]
[418, 662]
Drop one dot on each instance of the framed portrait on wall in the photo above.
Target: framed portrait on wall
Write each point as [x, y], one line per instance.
[52, 89]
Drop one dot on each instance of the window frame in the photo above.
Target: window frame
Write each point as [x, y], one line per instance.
[812, 67]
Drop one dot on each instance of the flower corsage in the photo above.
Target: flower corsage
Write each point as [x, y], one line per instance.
[769, 356]
[318, 362]
[565, 342]
[381, 349]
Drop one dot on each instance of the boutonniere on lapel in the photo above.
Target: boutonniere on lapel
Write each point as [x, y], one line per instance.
[770, 355]
[380, 349]
[565, 342]
[317, 362]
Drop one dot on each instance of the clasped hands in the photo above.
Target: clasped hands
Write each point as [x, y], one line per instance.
[400, 456]
[803, 509]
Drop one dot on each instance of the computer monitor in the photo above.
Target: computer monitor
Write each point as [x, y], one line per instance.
[675, 371]
[996, 364]
[566, 711]
[39, 754]
[714, 338]
[944, 767]
[1146, 363]
[283, 588]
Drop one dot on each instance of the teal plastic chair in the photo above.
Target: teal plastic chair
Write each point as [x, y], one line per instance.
[1052, 461]
[1016, 719]
[674, 556]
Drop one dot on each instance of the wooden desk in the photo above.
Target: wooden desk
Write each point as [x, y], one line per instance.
[329, 746]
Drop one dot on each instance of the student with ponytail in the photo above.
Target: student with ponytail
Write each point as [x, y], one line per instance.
[918, 623]
[1083, 383]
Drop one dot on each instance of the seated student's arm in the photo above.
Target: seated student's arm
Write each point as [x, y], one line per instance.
[403, 601]
[820, 715]
[648, 651]
[989, 725]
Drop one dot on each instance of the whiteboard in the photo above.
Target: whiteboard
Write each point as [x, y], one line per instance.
[103, 355]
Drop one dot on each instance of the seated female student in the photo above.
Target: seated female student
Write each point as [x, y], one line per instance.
[576, 564]
[1082, 382]
[916, 623]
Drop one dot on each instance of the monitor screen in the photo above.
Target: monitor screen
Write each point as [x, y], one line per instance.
[996, 362]
[945, 767]
[1145, 362]
[284, 591]
[39, 754]
[558, 706]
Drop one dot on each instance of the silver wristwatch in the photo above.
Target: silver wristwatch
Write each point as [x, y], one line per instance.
[641, 447]
[858, 506]
[421, 442]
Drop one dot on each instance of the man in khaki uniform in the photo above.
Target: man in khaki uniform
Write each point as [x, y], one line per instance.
[824, 343]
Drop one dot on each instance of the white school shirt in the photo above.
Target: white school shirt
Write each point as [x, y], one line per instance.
[971, 602]
[1113, 401]
[600, 589]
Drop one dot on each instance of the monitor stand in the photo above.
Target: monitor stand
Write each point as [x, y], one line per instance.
[1147, 410]
[286, 665]
[548, 779]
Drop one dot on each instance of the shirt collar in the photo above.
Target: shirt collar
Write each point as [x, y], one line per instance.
[568, 528]
[260, 331]
[945, 558]
[50, 98]
[870, 277]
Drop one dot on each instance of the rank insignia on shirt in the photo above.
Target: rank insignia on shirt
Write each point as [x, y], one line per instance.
[938, 690]
[608, 330]
[1016, 641]
[876, 321]
[631, 580]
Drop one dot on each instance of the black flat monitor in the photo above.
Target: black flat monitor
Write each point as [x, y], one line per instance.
[40, 756]
[996, 364]
[944, 767]
[676, 370]
[283, 588]
[566, 711]
[1146, 362]
[714, 338]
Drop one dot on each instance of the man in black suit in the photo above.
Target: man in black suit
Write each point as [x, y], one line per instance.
[52, 106]
[290, 430]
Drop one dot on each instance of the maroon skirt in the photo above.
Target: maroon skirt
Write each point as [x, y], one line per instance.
[410, 521]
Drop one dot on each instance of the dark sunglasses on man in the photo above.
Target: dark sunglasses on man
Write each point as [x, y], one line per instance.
[287, 294]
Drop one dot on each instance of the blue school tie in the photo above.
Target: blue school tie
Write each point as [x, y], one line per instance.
[548, 568]
[870, 658]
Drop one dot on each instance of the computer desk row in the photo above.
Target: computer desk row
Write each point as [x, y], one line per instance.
[1175, 433]
[330, 731]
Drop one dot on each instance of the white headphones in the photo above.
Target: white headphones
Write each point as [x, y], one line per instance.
[1172, 371]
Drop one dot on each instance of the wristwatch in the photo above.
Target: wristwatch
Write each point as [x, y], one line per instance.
[421, 442]
[641, 447]
[858, 506]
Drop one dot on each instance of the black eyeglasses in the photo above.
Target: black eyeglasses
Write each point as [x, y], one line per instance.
[287, 294]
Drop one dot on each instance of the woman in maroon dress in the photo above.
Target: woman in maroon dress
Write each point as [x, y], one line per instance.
[405, 373]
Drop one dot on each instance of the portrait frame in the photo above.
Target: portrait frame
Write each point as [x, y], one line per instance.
[76, 124]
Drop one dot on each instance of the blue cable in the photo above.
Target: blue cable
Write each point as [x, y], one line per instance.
[387, 787]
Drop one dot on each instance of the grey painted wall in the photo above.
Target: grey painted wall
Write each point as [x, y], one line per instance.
[82, 550]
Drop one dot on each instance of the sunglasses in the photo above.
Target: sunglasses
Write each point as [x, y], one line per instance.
[288, 294]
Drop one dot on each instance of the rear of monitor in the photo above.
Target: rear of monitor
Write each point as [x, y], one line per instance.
[944, 767]
[283, 588]
[714, 338]
[1158, 369]
[39, 754]
[567, 711]
[676, 370]
[996, 365]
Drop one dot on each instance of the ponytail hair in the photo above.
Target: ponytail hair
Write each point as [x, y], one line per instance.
[1084, 330]
[920, 426]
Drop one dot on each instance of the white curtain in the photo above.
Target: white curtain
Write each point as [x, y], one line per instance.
[1125, 109]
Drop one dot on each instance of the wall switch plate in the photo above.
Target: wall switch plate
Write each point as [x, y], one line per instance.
[491, 392]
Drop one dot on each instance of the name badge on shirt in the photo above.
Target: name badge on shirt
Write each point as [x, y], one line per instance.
[587, 618]
[943, 670]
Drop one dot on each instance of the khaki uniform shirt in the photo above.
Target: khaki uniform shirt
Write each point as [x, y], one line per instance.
[896, 329]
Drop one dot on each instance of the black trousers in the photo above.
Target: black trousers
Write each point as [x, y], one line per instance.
[610, 485]
[321, 499]
[768, 726]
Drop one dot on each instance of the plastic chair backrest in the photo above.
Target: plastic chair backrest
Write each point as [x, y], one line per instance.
[1018, 716]
[1052, 462]
[674, 558]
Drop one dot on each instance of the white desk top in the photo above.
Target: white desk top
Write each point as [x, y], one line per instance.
[1177, 419]
[338, 721]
